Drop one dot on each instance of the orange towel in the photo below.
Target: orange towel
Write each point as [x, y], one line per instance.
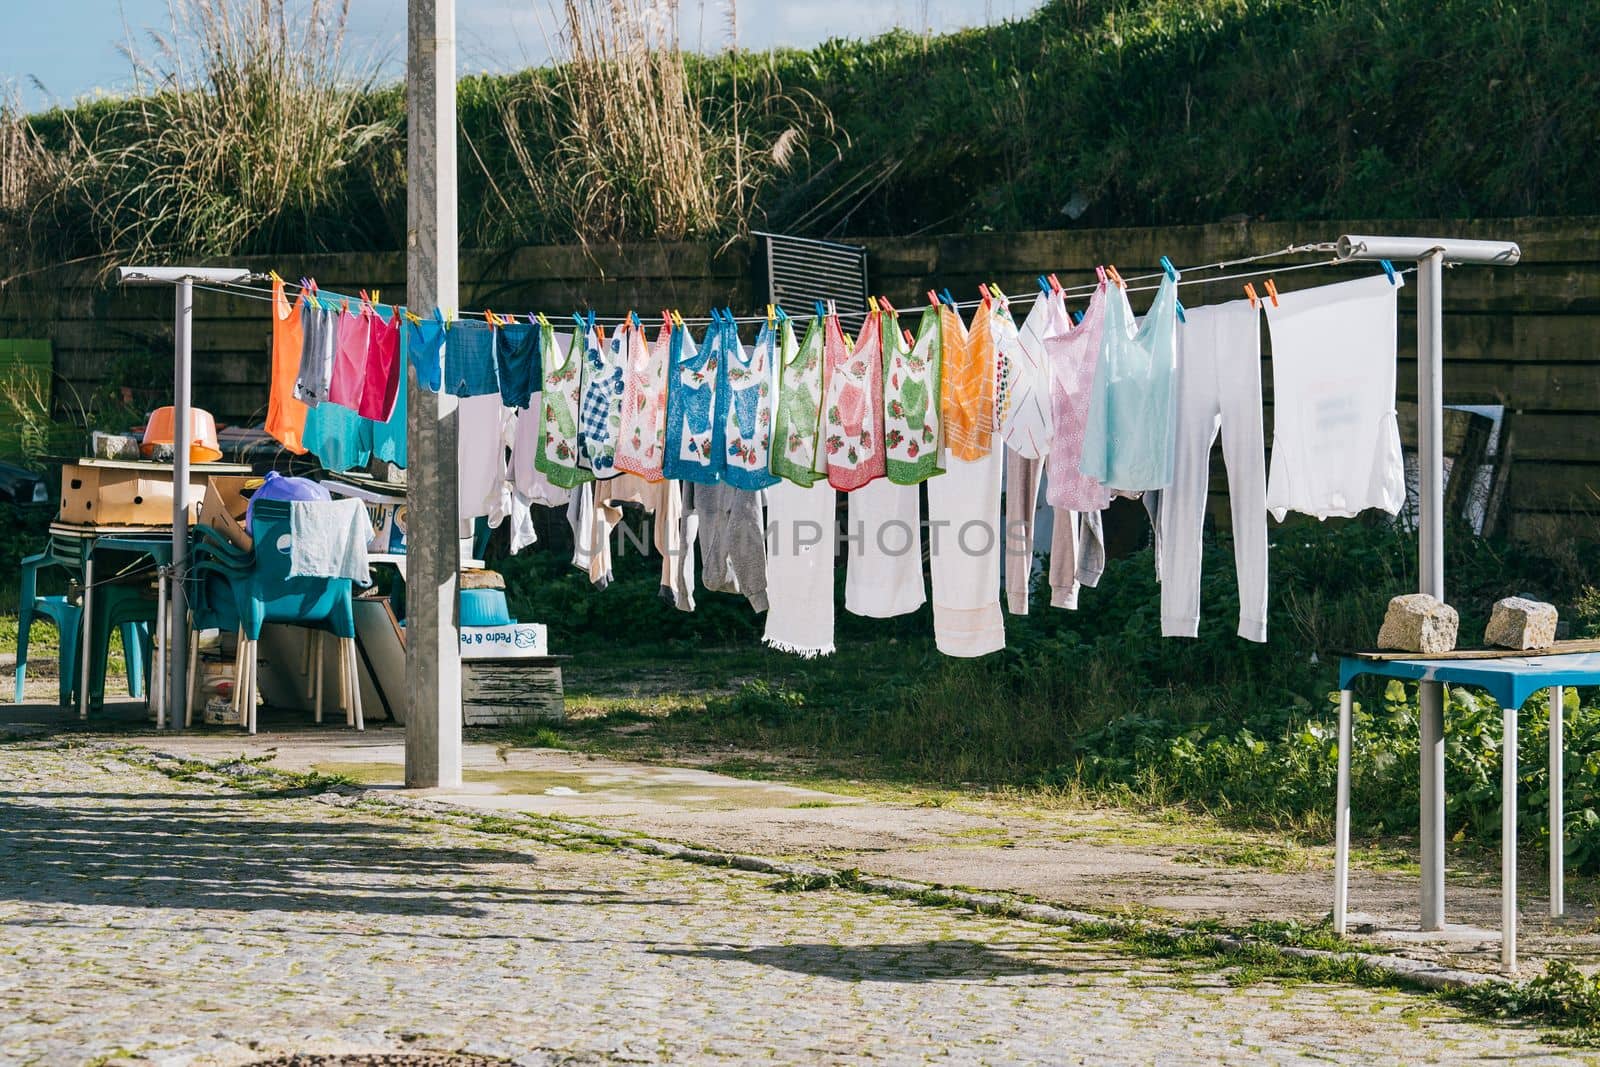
[286, 416]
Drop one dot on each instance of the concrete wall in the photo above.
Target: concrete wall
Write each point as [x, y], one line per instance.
[1526, 337]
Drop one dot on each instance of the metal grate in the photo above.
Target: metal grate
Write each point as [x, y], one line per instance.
[802, 270]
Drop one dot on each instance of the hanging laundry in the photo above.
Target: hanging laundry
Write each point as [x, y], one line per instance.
[425, 343]
[800, 548]
[562, 371]
[516, 361]
[1073, 359]
[883, 539]
[641, 447]
[964, 538]
[469, 368]
[967, 383]
[1026, 422]
[733, 555]
[911, 379]
[852, 416]
[744, 409]
[481, 431]
[600, 409]
[532, 484]
[286, 416]
[1219, 387]
[663, 500]
[1335, 441]
[1022, 479]
[350, 359]
[693, 438]
[319, 328]
[389, 436]
[592, 519]
[339, 438]
[1128, 443]
[1077, 555]
[798, 413]
[380, 378]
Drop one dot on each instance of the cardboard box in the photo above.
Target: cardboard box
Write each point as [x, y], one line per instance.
[103, 492]
[225, 506]
[517, 641]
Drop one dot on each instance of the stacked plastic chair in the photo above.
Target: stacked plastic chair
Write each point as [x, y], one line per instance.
[254, 588]
[111, 612]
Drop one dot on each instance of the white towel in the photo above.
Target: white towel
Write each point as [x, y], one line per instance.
[328, 539]
[884, 537]
[965, 537]
[800, 545]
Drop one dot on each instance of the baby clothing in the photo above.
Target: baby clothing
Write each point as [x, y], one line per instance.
[350, 359]
[911, 402]
[852, 418]
[1219, 387]
[1073, 359]
[641, 446]
[744, 410]
[469, 368]
[600, 407]
[797, 413]
[693, 440]
[1025, 417]
[883, 538]
[800, 548]
[286, 416]
[964, 539]
[516, 360]
[380, 379]
[1128, 442]
[562, 372]
[319, 330]
[1335, 441]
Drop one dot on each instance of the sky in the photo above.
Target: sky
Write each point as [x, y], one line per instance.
[73, 48]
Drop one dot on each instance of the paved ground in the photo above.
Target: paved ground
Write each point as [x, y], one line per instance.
[151, 920]
[1102, 860]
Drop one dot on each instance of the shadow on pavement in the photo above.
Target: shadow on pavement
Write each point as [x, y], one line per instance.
[927, 961]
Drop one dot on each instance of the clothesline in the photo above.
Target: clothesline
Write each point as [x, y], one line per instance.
[248, 292]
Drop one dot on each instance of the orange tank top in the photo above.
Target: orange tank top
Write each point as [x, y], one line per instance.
[286, 416]
[967, 391]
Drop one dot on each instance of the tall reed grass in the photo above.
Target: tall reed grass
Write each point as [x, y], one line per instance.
[630, 141]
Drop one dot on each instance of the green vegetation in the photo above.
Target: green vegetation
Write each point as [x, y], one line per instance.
[1090, 703]
[1103, 112]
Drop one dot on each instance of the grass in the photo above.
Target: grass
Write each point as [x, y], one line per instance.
[257, 135]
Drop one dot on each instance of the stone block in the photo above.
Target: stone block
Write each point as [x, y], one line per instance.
[1418, 622]
[1520, 623]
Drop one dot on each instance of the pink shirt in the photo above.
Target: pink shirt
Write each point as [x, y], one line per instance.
[350, 361]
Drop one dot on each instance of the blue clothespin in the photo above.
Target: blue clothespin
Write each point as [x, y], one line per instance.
[577, 317]
[634, 315]
[1180, 312]
[1388, 268]
[948, 299]
[1077, 317]
[783, 316]
[1044, 284]
[438, 317]
[1166, 265]
[822, 311]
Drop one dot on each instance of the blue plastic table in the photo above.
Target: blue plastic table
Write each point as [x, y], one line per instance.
[1511, 680]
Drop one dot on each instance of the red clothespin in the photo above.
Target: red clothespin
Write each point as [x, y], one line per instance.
[1100, 272]
[883, 302]
[984, 289]
[1250, 291]
[1272, 292]
[933, 298]
[1055, 283]
[490, 318]
[910, 341]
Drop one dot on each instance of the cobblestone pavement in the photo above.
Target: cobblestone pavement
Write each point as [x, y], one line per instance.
[151, 920]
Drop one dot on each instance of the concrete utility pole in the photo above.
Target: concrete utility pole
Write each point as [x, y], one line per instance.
[433, 553]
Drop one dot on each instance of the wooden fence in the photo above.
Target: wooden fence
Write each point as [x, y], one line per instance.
[1526, 337]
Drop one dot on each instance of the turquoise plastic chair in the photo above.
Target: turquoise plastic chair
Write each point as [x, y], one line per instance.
[68, 620]
[264, 591]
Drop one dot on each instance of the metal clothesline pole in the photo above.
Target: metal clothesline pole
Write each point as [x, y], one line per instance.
[1431, 254]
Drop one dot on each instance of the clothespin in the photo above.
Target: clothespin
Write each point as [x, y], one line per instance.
[999, 294]
[491, 318]
[1077, 317]
[948, 299]
[542, 320]
[1272, 292]
[1181, 317]
[910, 341]
[933, 298]
[1101, 272]
[984, 289]
[344, 306]
[772, 315]
[1166, 265]
[577, 317]
[677, 318]
[533, 320]
[783, 316]
[821, 310]
[888, 308]
[1055, 283]
[1388, 269]
[634, 315]
[274, 276]
[1116, 277]
[1250, 291]
[1044, 285]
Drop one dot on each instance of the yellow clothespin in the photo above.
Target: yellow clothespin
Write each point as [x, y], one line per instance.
[490, 317]
[542, 320]
[677, 318]
[274, 276]
[771, 314]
